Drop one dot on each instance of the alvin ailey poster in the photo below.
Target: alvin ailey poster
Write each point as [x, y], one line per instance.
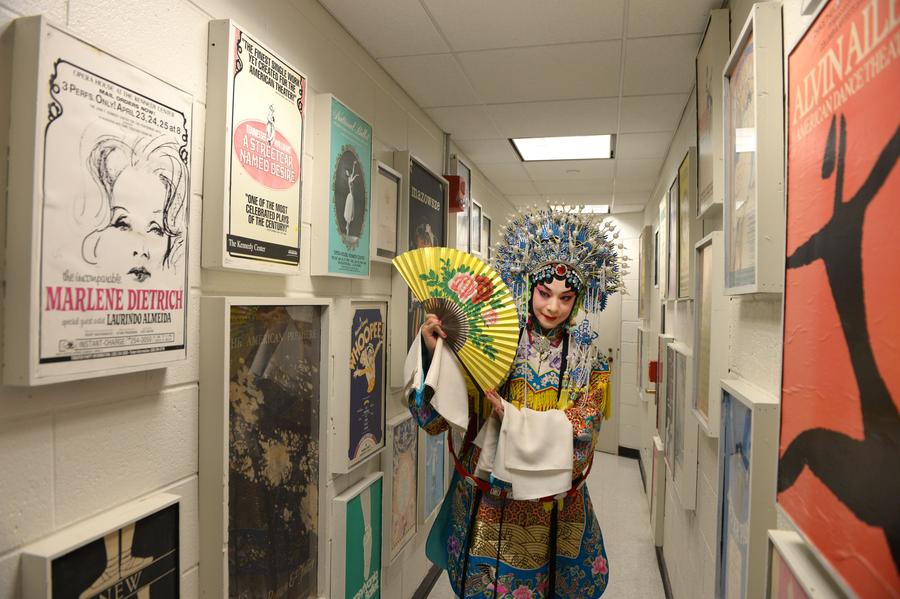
[114, 191]
[838, 473]
[264, 170]
[426, 227]
[138, 560]
[351, 182]
[273, 451]
[366, 382]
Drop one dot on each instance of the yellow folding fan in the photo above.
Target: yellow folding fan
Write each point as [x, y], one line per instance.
[475, 306]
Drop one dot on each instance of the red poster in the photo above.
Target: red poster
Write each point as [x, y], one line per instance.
[839, 467]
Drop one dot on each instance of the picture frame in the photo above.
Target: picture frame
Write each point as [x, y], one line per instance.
[78, 163]
[486, 235]
[644, 274]
[340, 244]
[753, 219]
[708, 66]
[658, 492]
[463, 231]
[358, 400]
[433, 474]
[253, 213]
[672, 241]
[424, 198]
[682, 457]
[399, 462]
[662, 341]
[135, 546]
[646, 341]
[688, 226]
[475, 226]
[662, 256]
[656, 258]
[385, 213]
[710, 333]
[746, 485]
[357, 558]
[794, 572]
[250, 393]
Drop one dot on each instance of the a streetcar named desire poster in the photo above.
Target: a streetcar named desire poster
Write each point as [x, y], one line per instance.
[367, 335]
[112, 186]
[838, 473]
[266, 134]
[351, 182]
[273, 451]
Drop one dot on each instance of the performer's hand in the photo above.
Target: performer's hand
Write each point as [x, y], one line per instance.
[496, 402]
[431, 330]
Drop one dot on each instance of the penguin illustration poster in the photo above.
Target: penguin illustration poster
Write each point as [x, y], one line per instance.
[351, 184]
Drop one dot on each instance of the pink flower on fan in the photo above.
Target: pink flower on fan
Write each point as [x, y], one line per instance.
[599, 566]
[489, 316]
[522, 593]
[464, 285]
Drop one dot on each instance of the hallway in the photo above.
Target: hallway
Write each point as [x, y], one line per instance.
[615, 486]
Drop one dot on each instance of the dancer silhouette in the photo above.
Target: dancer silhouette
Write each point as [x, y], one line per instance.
[864, 475]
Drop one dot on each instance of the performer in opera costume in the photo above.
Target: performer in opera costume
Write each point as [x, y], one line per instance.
[517, 520]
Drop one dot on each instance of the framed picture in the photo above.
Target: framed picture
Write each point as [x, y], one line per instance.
[432, 474]
[644, 274]
[681, 426]
[262, 382]
[662, 256]
[424, 200]
[754, 156]
[656, 258]
[340, 243]
[658, 492]
[252, 172]
[98, 205]
[646, 340]
[710, 61]
[400, 465]
[357, 404]
[839, 389]
[133, 547]
[475, 222]
[661, 384]
[745, 488]
[462, 218]
[486, 236]
[710, 333]
[356, 544]
[794, 572]
[385, 213]
[672, 238]
[688, 226]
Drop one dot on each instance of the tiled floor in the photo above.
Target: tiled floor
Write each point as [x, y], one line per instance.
[615, 486]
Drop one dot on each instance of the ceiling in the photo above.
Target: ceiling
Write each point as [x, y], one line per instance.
[488, 70]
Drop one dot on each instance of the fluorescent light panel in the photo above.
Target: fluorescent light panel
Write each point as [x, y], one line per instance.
[591, 208]
[575, 147]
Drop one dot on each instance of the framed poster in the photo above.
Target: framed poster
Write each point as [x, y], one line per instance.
[673, 242]
[841, 249]
[661, 384]
[356, 546]
[99, 198]
[400, 465]
[462, 218]
[432, 474]
[358, 398]
[656, 258]
[710, 333]
[710, 61]
[261, 469]
[340, 228]
[794, 572]
[385, 213]
[683, 430]
[475, 222]
[133, 547]
[688, 226]
[670, 408]
[256, 117]
[663, 254]
[647, 355]
[745, 489]
[424, 201]
[658, 492]
[644, 273]
[486, 236]
[754, 156]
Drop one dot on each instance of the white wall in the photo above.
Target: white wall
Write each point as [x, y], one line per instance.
[70, 451]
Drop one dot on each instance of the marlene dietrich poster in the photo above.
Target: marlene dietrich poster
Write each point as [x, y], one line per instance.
[351, 180]
[266, 138]
[366, 383]
[273, 451]
[838, 477]
[114, 193]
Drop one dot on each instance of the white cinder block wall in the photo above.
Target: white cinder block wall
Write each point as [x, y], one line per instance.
[71, 451]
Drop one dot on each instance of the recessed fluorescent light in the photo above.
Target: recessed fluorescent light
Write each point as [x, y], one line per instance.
[575, 147]
[591, 208]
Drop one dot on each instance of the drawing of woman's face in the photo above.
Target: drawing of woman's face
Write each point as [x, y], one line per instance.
[135, 243]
